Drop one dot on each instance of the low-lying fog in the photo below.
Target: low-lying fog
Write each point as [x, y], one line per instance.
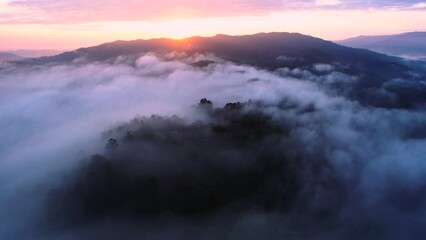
[325, 167]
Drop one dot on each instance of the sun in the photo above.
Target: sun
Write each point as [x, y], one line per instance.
[180, 30]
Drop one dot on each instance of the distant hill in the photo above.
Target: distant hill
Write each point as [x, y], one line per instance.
[14, 55]
[272, 51]
[265, 50]
[412, 44]
[35, 53]
[6, 56]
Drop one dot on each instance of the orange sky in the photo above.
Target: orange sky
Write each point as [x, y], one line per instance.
[69, 24]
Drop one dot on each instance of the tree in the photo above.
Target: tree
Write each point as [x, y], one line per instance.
[112, 144]
[205, 101]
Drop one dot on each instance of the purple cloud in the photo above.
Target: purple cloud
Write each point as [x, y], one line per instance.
[74, 11]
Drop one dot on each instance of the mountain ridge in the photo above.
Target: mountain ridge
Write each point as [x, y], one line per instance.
[403, 44]
[274, 52]
[7, 56]
[273, 44]
[264, 50]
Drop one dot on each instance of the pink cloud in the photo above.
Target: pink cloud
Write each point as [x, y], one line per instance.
[73, 11]
[78, 11]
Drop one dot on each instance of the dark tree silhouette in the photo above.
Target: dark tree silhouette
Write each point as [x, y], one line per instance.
[112, 144]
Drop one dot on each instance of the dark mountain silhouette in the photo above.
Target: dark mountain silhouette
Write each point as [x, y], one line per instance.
[261, 50]
[407, 44]
[6, 56]
[28, 53]
[272, 51]
[264, 50]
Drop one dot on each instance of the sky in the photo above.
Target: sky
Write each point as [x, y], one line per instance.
[70, 24]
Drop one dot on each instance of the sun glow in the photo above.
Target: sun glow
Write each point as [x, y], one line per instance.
[327, 24]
